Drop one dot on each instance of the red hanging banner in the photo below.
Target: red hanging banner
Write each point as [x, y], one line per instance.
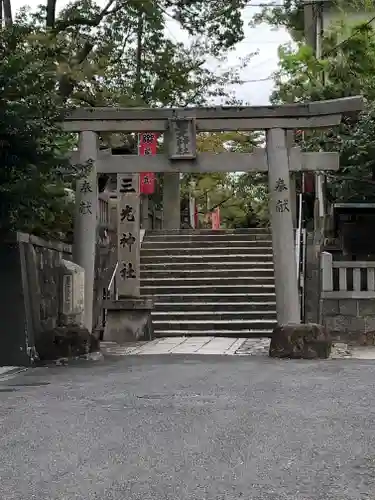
[215, 219]
[147, 182]
[147, 145]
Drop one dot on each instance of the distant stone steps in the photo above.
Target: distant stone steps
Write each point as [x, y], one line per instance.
[210, 283]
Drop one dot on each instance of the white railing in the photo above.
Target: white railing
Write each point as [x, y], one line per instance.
[103, 209]
[347, 279]
[298, 234]
[300, 246]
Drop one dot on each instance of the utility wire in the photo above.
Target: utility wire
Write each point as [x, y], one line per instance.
[258, 80]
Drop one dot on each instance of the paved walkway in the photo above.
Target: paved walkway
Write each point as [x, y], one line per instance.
[221, 346]
[190, 345]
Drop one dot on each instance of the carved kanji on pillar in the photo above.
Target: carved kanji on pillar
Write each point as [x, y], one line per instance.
[128, 278]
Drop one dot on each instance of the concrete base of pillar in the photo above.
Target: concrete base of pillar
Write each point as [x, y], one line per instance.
[128, 320]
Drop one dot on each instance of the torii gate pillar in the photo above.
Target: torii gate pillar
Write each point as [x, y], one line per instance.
[281, 201]
[171, 200]
[85, 218]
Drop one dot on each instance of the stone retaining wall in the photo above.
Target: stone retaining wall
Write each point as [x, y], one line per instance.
[350, 319]
[29, 294]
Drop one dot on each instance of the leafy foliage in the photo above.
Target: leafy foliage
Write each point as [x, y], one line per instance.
[122, 54]
[242, 197]
[288, 15]
[87, 54]
[32, 196]
[348, 68]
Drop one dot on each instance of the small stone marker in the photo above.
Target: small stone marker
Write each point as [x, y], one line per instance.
[72, 293]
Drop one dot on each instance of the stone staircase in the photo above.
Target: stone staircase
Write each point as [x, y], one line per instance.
[210, 283]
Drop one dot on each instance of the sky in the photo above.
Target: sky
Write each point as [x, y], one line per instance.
[262, 39]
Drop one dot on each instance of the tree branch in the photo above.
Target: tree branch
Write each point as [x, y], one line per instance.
[350, 178]
[63, 24]
[66, 82]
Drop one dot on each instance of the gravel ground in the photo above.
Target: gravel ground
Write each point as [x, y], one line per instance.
[189, 428]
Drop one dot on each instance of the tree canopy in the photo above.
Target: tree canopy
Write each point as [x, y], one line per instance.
[347, 68]
[32, 146]
[91, 55]
[242, 197]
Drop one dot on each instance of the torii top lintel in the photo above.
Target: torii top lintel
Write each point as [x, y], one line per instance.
[223, 118]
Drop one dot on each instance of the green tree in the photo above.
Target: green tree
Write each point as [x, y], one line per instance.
[242, 197]
[348, 68]
[118, 54]
[32, 145]
[125, 41]
[288, 14]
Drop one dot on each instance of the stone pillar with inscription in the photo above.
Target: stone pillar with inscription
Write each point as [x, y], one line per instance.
[128, 247]
[129, 316]
[287, 298]
[85, 219]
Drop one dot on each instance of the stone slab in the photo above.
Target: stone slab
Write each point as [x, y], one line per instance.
[217, 346]
[8, 370]
[234, 347]
[363, 352]
[129, 304]
[191, 346]
[124, 325]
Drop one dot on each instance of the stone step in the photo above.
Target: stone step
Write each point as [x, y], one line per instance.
[205, 297]
[180, 286]
[239, 333]
[212, 258]
[205, 307]
[199, 232]
[198, 289]
[227, 250]
[224, 273]
[208, 244]
[217, 324]
[192, 295]
[220, 266]
[196, 237]
[212, 316]
[213, 280]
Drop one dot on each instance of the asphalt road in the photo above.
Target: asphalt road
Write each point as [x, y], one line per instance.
[176, 428]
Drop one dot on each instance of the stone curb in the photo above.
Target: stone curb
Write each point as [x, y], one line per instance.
[11, 371]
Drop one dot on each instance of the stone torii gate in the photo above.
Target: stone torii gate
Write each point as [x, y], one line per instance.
[180, 127]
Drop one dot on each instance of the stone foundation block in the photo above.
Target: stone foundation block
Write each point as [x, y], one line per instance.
[128, 320]
[306, 341]
[65, 342]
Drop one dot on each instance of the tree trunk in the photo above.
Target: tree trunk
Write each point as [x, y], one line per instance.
[51, 14]
[138, 71]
